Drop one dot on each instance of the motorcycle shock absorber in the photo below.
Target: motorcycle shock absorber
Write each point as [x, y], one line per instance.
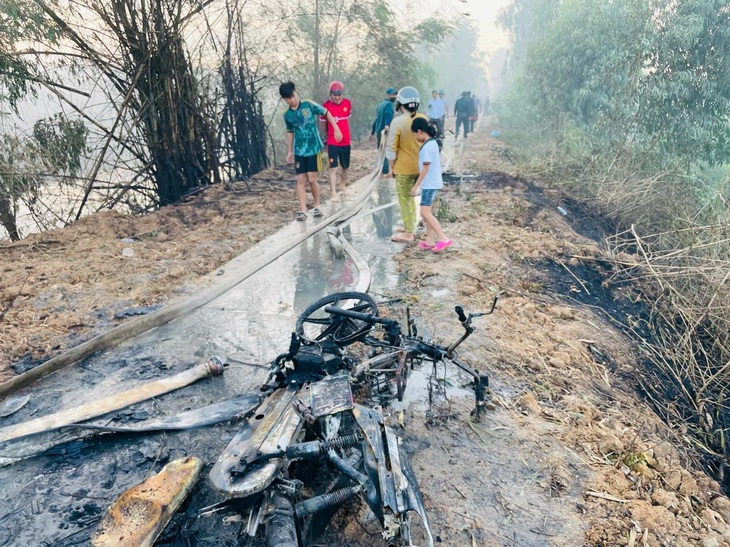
[311, 449]
[325, 501]
[314, 449]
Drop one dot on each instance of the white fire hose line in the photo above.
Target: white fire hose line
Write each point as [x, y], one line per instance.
[115, 402]
[339, 243]
[237, 270]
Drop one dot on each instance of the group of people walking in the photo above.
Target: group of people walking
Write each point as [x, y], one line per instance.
[412, 156]
[466, 112]
[302, 120]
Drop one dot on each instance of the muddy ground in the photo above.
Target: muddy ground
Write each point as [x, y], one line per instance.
[569, 455]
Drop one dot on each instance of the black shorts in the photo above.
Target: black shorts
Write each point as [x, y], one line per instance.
[307, 164]
[339, 155]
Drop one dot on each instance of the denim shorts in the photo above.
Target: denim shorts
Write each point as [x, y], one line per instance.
[427, 197]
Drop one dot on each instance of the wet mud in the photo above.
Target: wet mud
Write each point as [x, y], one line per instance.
[517, 478]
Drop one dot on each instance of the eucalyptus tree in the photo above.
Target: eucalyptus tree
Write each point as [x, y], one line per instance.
[53, 151]
[685, 101]
[20, 22]
[580, 68]
[526, 20]
[650, 77]
[55, 146]
[633, 100]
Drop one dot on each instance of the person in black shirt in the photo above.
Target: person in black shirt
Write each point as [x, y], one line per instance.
[463, 110]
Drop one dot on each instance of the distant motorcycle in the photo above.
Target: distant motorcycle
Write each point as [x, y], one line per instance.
[312, 444]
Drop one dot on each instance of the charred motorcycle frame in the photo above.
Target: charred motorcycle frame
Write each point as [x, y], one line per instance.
[313, 416]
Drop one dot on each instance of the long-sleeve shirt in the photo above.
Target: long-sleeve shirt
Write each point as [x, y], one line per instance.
[383, 116]
[402, 146]
[436, 108]
[464, 107]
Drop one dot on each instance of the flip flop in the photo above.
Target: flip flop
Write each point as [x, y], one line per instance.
[424, 245]
[316, 212]
[402, 238]
[441, 245]
[301, 216]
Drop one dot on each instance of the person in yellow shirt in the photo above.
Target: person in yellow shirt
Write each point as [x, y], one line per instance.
[401, 150]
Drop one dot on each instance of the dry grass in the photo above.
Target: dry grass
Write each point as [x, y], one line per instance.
[679, 254]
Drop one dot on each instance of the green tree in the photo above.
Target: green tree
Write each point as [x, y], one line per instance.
[582, 69]
[526, 21]
[458, 64]
[685, 101]
[649, 77]
[20, 22]
[363, 43]
[53, 152]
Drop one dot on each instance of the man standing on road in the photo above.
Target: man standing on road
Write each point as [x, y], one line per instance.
[477, 111]
[383, 118]
[436, 112]
[442, 96]
[338, 152]
[302, 135]
[462, 112]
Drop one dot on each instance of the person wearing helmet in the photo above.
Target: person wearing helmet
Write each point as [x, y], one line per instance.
[338, 152]
[304, 142]
[401, 150]
[383, 117]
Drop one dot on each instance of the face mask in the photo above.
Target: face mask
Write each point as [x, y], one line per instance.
[391, 99]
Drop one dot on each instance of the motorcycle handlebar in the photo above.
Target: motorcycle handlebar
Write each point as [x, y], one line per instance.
[460, 313]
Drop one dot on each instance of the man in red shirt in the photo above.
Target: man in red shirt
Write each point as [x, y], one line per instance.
[338, 152]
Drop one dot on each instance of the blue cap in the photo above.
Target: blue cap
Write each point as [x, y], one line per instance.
[391, 91]
[441, 92]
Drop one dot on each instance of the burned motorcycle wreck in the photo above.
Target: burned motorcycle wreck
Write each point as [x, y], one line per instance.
[321, 436]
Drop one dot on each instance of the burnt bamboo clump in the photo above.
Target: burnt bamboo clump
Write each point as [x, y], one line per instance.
[170, 109]
[242, 129]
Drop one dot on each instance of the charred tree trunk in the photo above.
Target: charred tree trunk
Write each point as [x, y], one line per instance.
[7, 217]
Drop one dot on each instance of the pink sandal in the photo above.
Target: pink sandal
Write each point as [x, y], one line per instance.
[424, 245]
[441, 245]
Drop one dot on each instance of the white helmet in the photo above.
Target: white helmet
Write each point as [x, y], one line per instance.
[408, 96]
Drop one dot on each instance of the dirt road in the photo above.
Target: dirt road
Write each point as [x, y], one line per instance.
[570, 454]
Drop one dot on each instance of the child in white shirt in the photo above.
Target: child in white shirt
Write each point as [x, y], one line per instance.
[428, 183]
